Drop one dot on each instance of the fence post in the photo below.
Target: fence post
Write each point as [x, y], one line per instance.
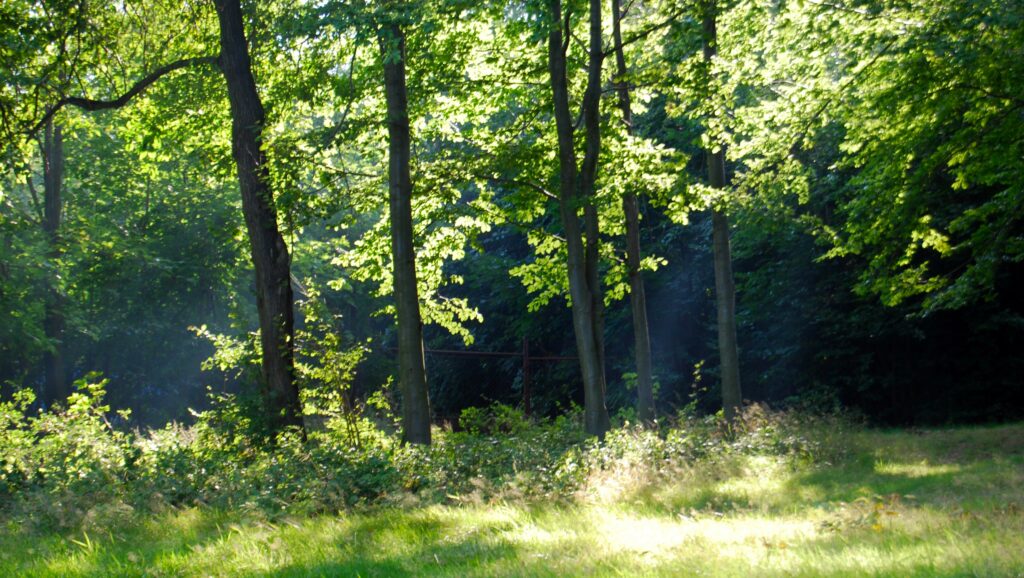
[526, 377]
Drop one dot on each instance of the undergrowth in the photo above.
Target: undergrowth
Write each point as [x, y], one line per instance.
[71, 470]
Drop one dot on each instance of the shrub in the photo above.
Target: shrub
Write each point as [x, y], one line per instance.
[62, 463]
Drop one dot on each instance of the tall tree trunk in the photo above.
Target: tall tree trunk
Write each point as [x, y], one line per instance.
[725, 289]
[630, 207]
[587, 193]
[55, 386]
[576, 186]
[412, 375]
[269, 254]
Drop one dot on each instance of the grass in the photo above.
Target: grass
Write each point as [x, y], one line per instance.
[891, 503]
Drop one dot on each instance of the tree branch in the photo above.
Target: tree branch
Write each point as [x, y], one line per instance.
[568, 30]
[668, 21]
[35, 198]
[137, 88]
[521, 183]
[866, 13]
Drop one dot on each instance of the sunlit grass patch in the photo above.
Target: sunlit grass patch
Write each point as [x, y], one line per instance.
[916, 470]
[764, 484]
[659, 535]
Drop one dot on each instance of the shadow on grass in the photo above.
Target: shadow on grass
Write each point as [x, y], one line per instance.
[126, 550]
[848, 482]
[211, 543]
[435, 554]
[965, 468]
[977, 467]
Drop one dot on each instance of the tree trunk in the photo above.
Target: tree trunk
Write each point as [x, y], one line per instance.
[269, 254]
[725, 297]
[725, 289]
[412, 376]
[55, 386]
[577, 186]
[637, 295]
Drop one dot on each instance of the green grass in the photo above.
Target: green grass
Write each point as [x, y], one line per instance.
[892, 503]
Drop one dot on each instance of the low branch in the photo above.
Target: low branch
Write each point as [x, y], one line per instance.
[136, 89]
[568, 30]
[528, 184]
[640, 35]
[866, 13]
[35, 198]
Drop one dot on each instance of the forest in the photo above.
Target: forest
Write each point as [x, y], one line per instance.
[518, 288]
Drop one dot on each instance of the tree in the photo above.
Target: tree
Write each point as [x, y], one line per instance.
[268, 251]
[631, 211]
[397, 250]
[576, 187]
[725, 288]
[411, 371]
[933, 123]
[55, 384]
[270, 257]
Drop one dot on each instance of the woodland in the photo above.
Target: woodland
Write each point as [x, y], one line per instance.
[519, 288]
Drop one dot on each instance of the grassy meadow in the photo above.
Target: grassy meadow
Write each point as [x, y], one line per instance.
[883, 503]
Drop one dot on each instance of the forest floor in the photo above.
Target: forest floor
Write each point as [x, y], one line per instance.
[946, 502]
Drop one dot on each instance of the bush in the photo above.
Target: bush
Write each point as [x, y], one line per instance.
[65, 462]
[497, 419]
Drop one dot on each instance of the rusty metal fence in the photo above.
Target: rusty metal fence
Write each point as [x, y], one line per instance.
[524, 353]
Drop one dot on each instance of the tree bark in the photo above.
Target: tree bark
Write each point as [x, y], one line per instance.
[269, 253]
[412, 376]
[725, 289]
[576, 186]
[587, 193]
[55, 386]
[630, 207]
